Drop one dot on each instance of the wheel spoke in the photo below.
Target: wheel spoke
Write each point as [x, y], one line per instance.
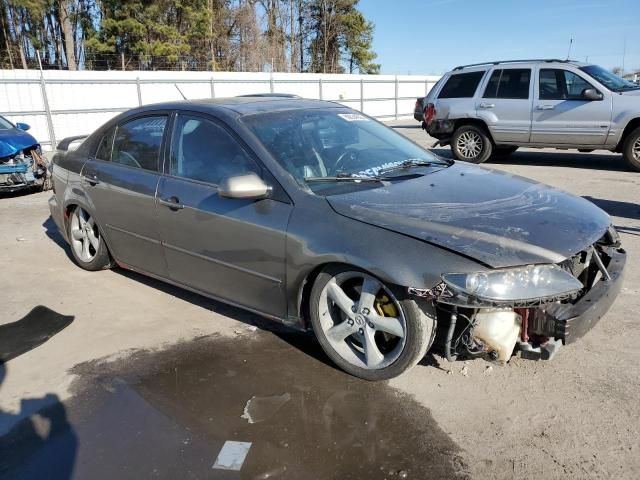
[76, 234]
[372, 354]
[339, 332]
[344, 303]
[95, 241]
[370, 288]
[390, 325]
[86, 255]
[81, 218]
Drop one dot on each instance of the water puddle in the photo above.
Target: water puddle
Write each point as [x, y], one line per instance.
[258, 407]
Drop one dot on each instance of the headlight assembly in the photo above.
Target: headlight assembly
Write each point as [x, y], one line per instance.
[529, 283]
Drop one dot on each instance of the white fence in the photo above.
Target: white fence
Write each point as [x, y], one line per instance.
[59, 104]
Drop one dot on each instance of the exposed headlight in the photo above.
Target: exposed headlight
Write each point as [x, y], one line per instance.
[514, 284]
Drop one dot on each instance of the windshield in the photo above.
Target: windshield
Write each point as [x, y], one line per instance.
[334, 143]
[5, 124]
[608, 79]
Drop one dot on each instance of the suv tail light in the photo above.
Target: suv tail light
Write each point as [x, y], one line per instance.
[429, 113]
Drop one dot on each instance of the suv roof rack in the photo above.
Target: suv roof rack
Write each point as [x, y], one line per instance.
[548, 60]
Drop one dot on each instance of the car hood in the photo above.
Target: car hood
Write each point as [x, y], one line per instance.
[496, 218]
[13, 140]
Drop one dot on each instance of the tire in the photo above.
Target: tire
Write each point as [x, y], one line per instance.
[471, 144]
[84, 235]
[631, 150]
[361, 342]
[502, 152]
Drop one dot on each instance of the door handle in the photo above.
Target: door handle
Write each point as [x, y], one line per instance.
[91, 179]
[487, 105]
[172, 202]
[545, 107]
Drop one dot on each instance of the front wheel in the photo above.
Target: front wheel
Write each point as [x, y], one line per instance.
[631, 150]
[471, 144]
[365, 328]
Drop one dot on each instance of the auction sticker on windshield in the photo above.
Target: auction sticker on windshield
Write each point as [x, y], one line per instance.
[353, 117]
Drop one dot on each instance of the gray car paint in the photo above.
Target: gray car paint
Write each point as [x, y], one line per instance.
[261, 255]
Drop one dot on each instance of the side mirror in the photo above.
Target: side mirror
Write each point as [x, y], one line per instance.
[23, 126]
[591, 94]
[249, 186]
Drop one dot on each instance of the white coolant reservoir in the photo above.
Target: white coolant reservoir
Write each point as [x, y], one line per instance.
[498, 330]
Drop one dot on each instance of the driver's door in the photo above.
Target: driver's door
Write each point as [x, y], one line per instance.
[562, 116]
[233, 249]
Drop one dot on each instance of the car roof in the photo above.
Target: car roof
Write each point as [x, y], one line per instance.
[525, 62]
[241, 105]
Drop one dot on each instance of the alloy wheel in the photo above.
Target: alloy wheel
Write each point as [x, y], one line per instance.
[636, 149]
[85, 237]
[470, 145]
[362, 320]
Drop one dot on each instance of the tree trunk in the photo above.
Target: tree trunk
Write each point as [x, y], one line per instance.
[67, 34]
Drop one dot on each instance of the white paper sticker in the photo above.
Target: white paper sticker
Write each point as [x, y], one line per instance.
[232, 455]
[353, 117]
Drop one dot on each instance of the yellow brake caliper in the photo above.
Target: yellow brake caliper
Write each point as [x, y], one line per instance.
[385, 307]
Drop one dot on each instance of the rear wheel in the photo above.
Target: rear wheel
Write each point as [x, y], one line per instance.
[631, 150]
[87, 245]
[471, 144]
[365, 328]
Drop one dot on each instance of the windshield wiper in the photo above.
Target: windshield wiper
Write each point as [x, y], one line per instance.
[409, 163]
[345, 177]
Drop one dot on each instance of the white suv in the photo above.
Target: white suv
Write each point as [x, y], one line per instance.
[493, 108]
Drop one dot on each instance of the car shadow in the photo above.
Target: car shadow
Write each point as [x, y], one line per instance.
[591, 161]
[51, 231]
[617, 208]
[302, 340]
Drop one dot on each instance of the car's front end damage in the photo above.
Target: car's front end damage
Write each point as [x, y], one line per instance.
[22, 167]
[532, 310]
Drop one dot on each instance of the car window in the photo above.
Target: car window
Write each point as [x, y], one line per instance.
[104, 149]
[203, 150]
[558, 84]
[461, 85]
[509, 83]
[5, 124]
[137, 143]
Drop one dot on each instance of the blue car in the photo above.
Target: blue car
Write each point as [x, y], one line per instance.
[22, 164]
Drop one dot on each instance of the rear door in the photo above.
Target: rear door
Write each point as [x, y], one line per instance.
[505, 105]
[456, 97]
[121, 182]
[233, 249]
[562, 116]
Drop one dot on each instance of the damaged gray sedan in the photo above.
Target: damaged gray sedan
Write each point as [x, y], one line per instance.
[322, 218]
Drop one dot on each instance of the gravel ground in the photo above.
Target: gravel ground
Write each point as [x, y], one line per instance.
[575, 417]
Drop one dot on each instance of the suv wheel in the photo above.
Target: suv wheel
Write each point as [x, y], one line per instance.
[631, 150]
[471, 144]
[365, 328]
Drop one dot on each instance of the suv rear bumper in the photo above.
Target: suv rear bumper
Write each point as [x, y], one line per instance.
[440, 128]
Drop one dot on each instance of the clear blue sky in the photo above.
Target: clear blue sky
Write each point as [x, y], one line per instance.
[432, 36]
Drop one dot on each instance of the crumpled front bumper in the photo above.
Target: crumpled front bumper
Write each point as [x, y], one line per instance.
[570, 321]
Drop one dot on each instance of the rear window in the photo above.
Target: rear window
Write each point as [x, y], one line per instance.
[509, 83]
[461, 85]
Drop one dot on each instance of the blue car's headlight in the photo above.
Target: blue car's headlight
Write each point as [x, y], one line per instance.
[514, 284]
